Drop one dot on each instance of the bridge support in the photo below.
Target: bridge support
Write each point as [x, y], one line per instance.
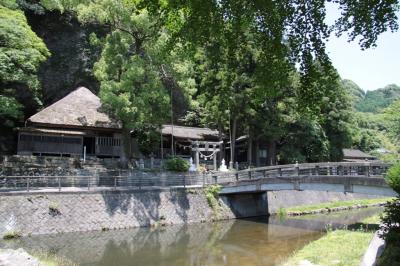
[247, 204]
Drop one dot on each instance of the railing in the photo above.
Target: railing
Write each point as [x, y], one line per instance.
[114, 180]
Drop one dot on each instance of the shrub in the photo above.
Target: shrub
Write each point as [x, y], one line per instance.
[177, 164]
[393, 177]
[212, 195]
[11, 235]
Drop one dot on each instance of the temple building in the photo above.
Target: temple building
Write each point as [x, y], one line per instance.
[70, 124]
[76, 124]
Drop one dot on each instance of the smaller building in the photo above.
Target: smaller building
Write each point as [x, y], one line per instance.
[354, 155]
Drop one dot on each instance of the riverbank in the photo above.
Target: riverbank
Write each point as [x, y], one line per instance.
[334, 206]
[339, 247]
[33, 213]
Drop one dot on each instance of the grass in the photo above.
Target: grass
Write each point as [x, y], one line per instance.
[335, 204]
[48, 259]
[375, 219]
[340, 247]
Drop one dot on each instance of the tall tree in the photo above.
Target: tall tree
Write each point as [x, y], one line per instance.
[129, 69]
[21, 54]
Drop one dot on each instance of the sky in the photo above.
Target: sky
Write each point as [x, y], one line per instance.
[370, 69]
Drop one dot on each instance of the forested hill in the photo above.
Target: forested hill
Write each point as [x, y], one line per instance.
[372, 101]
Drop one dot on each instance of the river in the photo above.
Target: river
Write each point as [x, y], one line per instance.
[253, 241]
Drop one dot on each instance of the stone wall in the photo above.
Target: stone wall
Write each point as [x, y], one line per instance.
[49, 213]
[292, 198]
[39, 213]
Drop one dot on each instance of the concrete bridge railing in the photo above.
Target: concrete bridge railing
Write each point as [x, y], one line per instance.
[357, 177]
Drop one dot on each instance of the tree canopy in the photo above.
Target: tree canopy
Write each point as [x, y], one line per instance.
[21, 53]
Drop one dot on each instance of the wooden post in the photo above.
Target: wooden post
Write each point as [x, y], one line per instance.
[279, 171]
[115, 183]
[59, 184]
[317, 170]
[27, 183]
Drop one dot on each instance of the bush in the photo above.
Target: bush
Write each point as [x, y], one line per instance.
[393, 177]
[177, 164]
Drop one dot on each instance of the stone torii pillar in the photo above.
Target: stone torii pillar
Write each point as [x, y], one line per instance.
[197, 156]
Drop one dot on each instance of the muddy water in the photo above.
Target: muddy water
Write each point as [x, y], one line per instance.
[254, 241]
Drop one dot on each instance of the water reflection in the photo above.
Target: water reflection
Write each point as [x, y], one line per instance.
[255, 241]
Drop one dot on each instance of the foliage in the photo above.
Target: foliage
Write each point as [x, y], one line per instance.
[177, 164]
[11, 235]
[148, 139]
[128, 69]
[212, 195]
[21, 54]
[376, 100]
[335, 204]
[393, 177]
[391, 253]
[391, 220]
[392, 116]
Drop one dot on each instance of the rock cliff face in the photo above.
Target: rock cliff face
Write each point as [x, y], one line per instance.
[70, 64]
[72, 56]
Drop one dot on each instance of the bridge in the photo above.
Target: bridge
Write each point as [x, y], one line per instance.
[349, 177]
[264, 190]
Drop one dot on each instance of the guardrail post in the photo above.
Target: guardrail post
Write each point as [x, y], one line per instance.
[215, 179]
[115, 183]
[297, 171]
[59, 184]
[249, 174]
[340, 170]
[237, 176]
[279, 171]
[27, 184]
[368, 170]
[317, 170]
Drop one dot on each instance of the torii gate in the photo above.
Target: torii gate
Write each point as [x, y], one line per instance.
[206, 146]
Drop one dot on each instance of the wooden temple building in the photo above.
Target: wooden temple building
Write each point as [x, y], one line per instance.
[75, 124]
[70, 124]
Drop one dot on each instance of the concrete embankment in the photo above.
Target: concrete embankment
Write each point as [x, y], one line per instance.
[48, 213]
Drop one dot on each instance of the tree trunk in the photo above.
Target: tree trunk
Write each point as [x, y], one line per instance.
[250, 150]
[233, 142]
[271, 153]
[126, 146]
[257, 153]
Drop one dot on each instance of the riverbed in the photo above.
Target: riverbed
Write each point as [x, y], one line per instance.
[252, 241]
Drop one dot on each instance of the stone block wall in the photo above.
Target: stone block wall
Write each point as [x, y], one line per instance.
[31, 214]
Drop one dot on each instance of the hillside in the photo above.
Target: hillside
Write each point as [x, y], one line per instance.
[376, 100]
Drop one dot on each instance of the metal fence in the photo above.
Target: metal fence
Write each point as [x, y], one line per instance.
[144, 180]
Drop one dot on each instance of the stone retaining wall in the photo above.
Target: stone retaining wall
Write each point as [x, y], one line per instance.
[49, 213]
[31, 214]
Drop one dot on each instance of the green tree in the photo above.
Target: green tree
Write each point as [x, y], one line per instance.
[131, 89]
[21, 54]
[392, 116]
